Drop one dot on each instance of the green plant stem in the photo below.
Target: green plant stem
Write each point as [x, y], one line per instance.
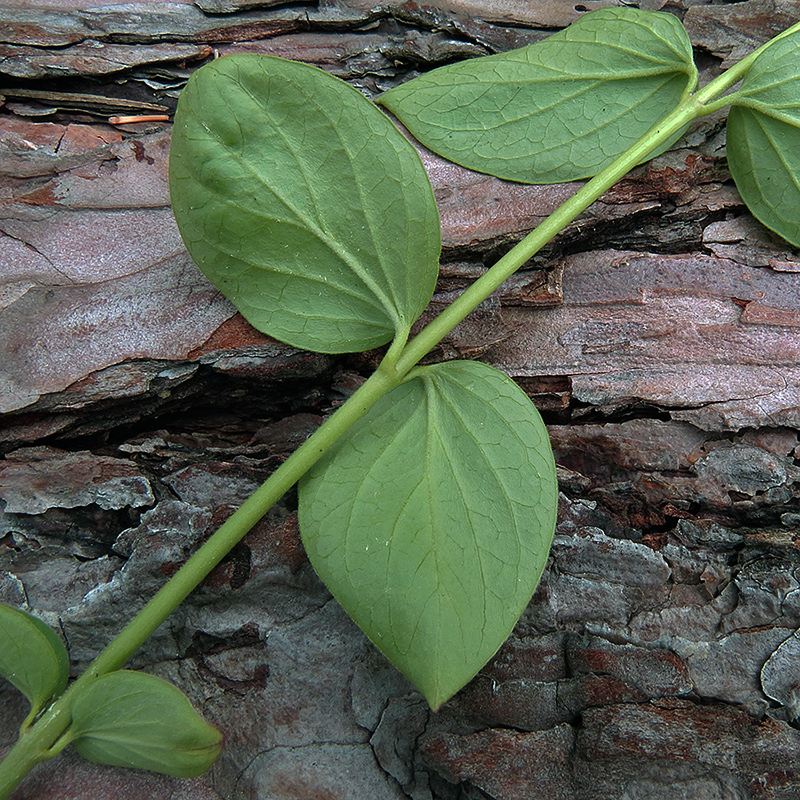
[691, 107]
[19, 761]
[708, 95]
[35, 743]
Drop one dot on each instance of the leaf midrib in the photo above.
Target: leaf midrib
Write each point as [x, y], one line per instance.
[393, 307]
[343, 253]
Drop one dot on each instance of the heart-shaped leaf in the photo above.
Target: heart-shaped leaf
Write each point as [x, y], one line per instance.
[764, 138]
[303, 203]
[32, 657]
[431, 520]
[132, 719]
[560, 109]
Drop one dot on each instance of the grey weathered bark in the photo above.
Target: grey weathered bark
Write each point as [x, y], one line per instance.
[658, 335]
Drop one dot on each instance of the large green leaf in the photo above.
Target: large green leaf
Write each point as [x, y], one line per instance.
[431, 520]
[132, 719]
[764, 138]
[303, 203]
[560, 109]
[32, 657]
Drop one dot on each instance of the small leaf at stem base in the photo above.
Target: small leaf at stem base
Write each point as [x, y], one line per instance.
[132, 719]
[32, 657]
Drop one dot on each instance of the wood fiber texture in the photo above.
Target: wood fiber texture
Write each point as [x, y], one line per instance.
[659, 336]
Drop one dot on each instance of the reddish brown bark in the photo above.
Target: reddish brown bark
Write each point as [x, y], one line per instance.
[658, 334]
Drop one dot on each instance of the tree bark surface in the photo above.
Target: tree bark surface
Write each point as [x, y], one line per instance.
[659, 336]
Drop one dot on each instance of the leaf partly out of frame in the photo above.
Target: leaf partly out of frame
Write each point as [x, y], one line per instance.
[560, 109]
[132, 719]
[32, 657]
[303, 204]
[763, 138]
[431, 520]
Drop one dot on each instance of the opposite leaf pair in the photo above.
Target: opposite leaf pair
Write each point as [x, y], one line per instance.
[562, 109]
[125, 719]
[427, 500]
[430, 520]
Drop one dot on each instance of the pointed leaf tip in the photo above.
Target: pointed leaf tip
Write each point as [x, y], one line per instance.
[132, 719]
[431, 520]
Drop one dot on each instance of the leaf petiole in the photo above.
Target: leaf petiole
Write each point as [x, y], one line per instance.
[688, 110]
[36, 744]
[712, 96]
[48, 733]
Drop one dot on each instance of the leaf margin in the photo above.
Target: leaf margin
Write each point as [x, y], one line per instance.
[419, 287]
[563, 172]
[47, 640]
[437, 689]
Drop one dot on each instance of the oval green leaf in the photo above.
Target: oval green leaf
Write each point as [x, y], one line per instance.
[764, 138]
[132, 719]
[558, 110]
[32, 657]
[431, 520]
[303, 204]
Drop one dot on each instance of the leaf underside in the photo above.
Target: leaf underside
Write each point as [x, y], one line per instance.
[557, 110]
[32, 657]
[132, 719]
[763, 138]
[431, 520]
[303, 204]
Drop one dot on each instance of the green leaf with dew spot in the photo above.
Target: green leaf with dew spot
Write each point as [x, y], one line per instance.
[431, 520]
[763, 138]
[132, 719]
[303, 204]
[557, 110]
[32, 657]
